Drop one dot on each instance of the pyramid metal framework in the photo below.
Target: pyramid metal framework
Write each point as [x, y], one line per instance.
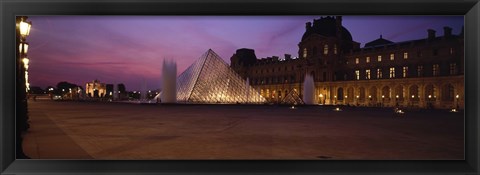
[211, 80]
[292, 98]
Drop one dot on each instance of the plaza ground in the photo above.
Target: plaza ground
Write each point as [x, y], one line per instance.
[100, 130]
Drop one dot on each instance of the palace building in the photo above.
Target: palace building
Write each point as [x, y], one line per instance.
[422, 73]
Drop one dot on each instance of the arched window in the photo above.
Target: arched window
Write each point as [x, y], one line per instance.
[325, 49]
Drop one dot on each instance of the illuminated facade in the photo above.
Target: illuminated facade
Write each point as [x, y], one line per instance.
[211, 80]
[96, 89]
[424, 73]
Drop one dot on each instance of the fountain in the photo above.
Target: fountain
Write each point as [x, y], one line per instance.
[143, 92]
[308, 87]
[169, 84]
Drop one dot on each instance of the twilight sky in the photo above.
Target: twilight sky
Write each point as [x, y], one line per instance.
[130, 49]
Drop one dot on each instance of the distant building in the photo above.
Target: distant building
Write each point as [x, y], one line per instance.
[96, 89]
[422, 73]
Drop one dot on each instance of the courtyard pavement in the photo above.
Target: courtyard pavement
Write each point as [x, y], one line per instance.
[100, 130]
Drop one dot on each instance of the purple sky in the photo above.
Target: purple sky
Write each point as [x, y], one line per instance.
[129, 49]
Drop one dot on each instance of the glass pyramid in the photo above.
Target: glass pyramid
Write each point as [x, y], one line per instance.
[292, 98]
[211, 80]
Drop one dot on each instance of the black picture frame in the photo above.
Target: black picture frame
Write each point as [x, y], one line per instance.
[11, 8]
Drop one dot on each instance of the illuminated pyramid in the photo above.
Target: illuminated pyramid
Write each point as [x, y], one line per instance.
[292, 98]
[211, 80]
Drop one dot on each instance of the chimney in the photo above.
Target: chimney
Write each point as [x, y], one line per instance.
[288, 56]
[431, 34]
[339, 20]
[447, 32]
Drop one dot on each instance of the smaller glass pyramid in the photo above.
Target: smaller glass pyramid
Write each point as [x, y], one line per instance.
[292, 98]
[211, 80]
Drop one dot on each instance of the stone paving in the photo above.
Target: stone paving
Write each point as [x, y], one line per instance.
[96, 130]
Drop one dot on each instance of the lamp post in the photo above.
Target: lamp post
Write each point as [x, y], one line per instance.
[396, 101]
[383, 99]
[456, 97]
[22, 31]
[370, 97]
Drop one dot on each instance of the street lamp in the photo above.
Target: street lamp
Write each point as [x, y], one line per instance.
[457, 96]
[25, 63]
[383, 99]
[370, 98]
[22, 31]
[25, 28]
[23, 48]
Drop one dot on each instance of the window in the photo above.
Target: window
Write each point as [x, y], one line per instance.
[304, 52]
[419, 54]
[451, 50]
[392, 56]
[392, 72]
[379, 73]
[335, 49]
[420, 71]
[405, 55]
[367, 59]
[367, 74]
[405, 71]
[357, 75]
[357, 60]
[453, 68]
[325, 49]
[379, 58]
[436, 70]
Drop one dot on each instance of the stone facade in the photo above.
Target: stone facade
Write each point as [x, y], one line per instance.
[423, 73]
[96, 89]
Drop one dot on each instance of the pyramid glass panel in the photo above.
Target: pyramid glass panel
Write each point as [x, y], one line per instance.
[211, 80]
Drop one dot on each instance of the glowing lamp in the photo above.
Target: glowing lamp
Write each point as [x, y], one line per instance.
[25, 28]
[413, 96]
[358, 96]
[429, 96]
[457, 96]
[23, 48]
[383, 96]
[25, 61]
